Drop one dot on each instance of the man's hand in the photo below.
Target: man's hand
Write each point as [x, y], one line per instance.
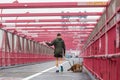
[47, 43]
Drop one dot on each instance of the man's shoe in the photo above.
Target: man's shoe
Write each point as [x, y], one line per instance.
[61, 68]
[57, 71]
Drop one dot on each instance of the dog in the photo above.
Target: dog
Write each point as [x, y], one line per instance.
[76, 68]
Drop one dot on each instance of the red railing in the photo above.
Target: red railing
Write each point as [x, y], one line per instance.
[10, 59]
[102, 51]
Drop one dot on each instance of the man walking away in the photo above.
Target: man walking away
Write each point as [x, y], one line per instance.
[59, 51]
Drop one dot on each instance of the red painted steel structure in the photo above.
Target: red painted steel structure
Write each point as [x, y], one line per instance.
[46, 29]
[102, 50]
[25, 45]
[48, 20]
[17, 50]
[40, 25]
[52, 14]
[52, 5]
[61, 5]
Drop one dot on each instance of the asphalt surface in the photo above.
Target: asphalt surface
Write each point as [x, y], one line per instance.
[42, 71]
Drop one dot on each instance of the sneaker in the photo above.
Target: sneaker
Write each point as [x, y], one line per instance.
[57, 71]
[61, 68]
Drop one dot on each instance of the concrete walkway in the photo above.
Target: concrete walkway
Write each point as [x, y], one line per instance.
[42, 71]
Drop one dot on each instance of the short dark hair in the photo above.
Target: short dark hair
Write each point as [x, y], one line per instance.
[58, 34]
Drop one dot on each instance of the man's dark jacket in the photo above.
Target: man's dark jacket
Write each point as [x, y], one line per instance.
[59, 46]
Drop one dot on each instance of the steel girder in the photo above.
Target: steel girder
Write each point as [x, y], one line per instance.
[51, 14]
[41, 25]
[48, 20]
[17, 5]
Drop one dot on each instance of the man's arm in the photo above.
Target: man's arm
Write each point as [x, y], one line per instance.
[51, 44]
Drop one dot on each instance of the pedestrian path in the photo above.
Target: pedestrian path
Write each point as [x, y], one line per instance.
[42, 71]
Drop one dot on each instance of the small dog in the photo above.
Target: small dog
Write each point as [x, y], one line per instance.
[76, 68]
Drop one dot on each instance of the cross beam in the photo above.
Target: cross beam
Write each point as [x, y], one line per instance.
[51, 14]
[52, 5]
[48, 20]
[40, 25]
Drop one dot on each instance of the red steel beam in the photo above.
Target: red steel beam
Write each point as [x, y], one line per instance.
[60, 31]
[39, 28]
[64, 36]
[56, 31]
[51, 14]
[49, 20]
[82, 32]
[67, 38]
[46, 29]
[29, 34]
[40, 25]
[51, 35]
[103, 56]
[52, 5]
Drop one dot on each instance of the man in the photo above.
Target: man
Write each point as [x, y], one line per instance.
[59, 51]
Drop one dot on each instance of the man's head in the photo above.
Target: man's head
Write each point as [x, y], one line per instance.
[58, 35]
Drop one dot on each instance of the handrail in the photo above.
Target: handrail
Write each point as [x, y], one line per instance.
[103, 56]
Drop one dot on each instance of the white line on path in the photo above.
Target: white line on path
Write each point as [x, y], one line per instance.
[34, 75]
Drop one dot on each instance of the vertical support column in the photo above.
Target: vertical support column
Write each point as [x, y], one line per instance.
[118, 40]
[12, 54]
[23, 45]
[4, 50]
[27, 52]
[12, 43]
[8, 49]
[23, 52]
[16, 50]
[106, 34]
[106, 47]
